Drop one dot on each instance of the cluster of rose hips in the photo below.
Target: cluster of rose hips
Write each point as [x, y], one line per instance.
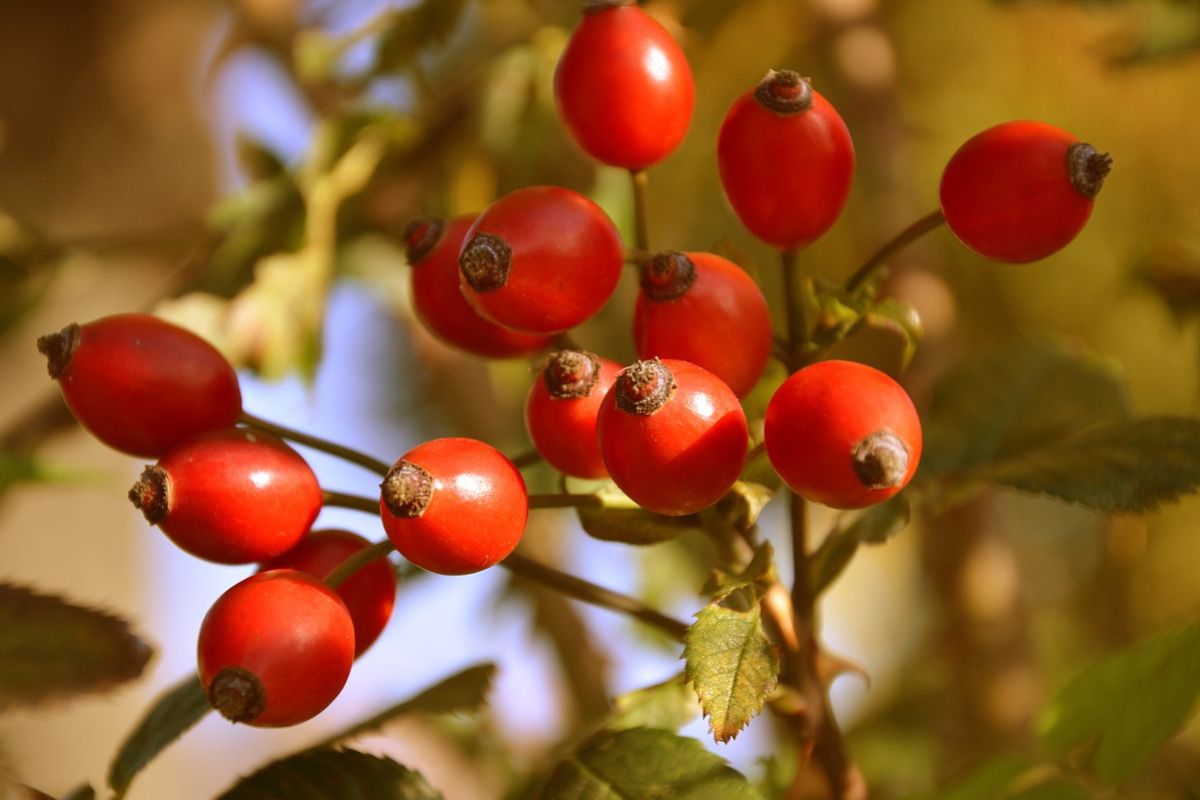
[669, 430]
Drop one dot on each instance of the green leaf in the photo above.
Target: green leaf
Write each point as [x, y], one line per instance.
[329, 774]
[18, 468]
[173, 713]
[463, 691]
[743, 503]
[989, 781]
[621, 520]
[1123, 466]
[875, 525]
[1127, 705]
[1009, 402]
[641, 764]
[51, 649]
[732, 666]
[752, 581]
[668, 706]
[85, 792]
[410, 30]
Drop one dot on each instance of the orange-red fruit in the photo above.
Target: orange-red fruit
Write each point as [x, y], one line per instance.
[561, 411]
[142, 385]
[540, 260]
[786, 161]
[275, 649]
[673, 436]
[623, 86]
[1021, 190]
[369, 593]
[234, 496]
[433, 246]
[454, 506]
[702, 308]
[843, 434]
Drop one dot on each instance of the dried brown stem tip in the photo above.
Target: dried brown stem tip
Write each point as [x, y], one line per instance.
[151, 494]
[407, 489]
[238, 694]
[485, 262]
[880, 460]
[58, 349]
[668, 275]
[420, 236]
[570, 374]
[784, 92]
[1087, 168]
[644, 387]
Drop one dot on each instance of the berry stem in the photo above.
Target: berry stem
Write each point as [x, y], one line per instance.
[795, 316]
[526, 459]
[640, 226]
[316, 443]
[355, 562]
[588, 592]
[903, 239]
[353, 502]
[565, 501]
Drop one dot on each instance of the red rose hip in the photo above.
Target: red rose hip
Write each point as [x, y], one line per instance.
[454, 506]
[623, 86]
[786, 161]
[673, 436]
[702, 308]
[235, 496]
[843, 434]
[142, 385]
[561, 411]
[541, 260]
[1022, 190]
[275, 649]
[369, 593]
[432, 249]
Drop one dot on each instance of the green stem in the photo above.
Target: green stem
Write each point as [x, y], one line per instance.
[796, 318]
[588, 592]
[802, 599]
[316, 443]
[640, 217]
[526, 459]
[903, 239]
[353, 502]
[360, 559]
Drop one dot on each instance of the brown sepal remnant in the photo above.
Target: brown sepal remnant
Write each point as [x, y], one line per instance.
[485, 262]
[880, 460]
[420, 236]
[644, 387]
[58, 349]
[152, 494]
[1088, 168]
[237, 694]
[407, 489]
[784, 92]
[571, 374]
[668, 275]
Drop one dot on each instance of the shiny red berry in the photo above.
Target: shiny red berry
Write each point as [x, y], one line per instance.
[786, 161]
[433, 246]
[540, 260]
[623, 86]
[1021, 190]
[702, 308]
[275, 649]
[843, 434]
[369, 593]
[142, 385]
[234, 496]
[673, 436]
[561, 411]
[454, 506]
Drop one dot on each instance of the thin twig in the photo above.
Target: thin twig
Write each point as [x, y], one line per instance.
[906, 237]
[317, 443]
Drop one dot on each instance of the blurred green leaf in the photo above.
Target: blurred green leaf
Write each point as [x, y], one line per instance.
[85, 792]
[18, 468]
[173, 713]
[989, 781]
[643, 763]
[753, 581]
[51, 649]
[256, 159]
[1002, 404]
[404, 33]
[668, 706]
[732, 665]
[743, 503]
[329, 774]
[1173, 272]
[874, 526]
[1124, 707]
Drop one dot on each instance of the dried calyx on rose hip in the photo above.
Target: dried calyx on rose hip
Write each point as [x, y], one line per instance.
[142, 385]
[562, 407]
[673, 436]
[432, 247]
[843, 434]
[454, 506]
[703, 308]
[786, 160]
[369, 593]
[541, 260]
[623, 86]
[234, 496]
[275, 649]
[1021, 190]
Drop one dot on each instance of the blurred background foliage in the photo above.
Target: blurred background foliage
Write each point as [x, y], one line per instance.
[118, 190]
